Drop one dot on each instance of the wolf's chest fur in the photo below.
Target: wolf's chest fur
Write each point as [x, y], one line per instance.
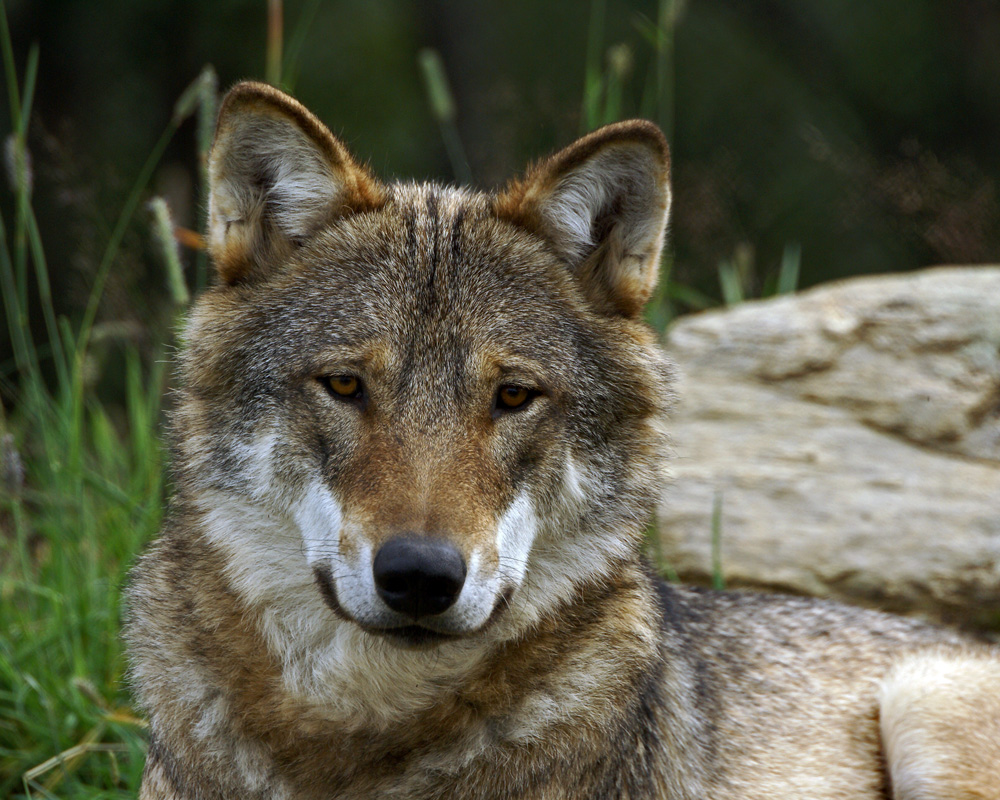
[419, 435]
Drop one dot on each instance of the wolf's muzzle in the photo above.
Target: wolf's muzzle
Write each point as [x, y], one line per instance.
[418, 577]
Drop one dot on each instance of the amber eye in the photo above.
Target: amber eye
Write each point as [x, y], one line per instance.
[513, 398]
[345, 387]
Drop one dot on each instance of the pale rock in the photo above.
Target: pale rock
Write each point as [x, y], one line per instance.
[852, 436]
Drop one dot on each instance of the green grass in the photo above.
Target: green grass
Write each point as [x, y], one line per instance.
[90, 498]
[81, 491]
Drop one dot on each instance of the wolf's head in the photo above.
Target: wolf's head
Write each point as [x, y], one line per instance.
[427, 408]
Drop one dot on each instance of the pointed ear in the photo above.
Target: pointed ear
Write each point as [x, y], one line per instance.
[276, 176]
[602, 203]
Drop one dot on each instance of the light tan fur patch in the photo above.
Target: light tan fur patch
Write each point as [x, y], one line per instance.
[940, 722]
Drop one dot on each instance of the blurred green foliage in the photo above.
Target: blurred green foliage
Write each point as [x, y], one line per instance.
[812, 139]
[861, 132]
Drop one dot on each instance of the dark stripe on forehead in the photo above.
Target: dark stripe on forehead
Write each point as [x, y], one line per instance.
[409, 215]
[455, 252]
[432, 214]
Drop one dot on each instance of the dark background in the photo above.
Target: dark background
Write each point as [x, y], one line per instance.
[866, 132]
[862, 131]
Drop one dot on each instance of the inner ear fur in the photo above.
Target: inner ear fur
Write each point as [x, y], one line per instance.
[276, 176]
[602, 203]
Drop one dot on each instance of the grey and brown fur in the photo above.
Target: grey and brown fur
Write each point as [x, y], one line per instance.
[343, 386]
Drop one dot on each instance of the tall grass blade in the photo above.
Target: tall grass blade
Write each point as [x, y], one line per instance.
[30, 77]
[788, 274]
[660, 309]
[275, 40]
[290, 66]
[186, 104]
[201, 97]
[689, 296]
[21, 177]
[17, 327]
[729, 281]
[10, 72]
[669, 14]
[27, 240]
[163, 234]
[442, 104]
[45, 299]
[593, 78]
[208, 108]
[438, 91]
[619, 68]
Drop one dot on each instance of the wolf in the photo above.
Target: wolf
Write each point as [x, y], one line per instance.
[419, 434]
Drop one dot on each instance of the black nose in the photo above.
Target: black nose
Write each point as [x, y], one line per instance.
[418, 577]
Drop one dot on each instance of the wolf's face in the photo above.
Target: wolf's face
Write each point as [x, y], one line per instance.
[432, 406]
